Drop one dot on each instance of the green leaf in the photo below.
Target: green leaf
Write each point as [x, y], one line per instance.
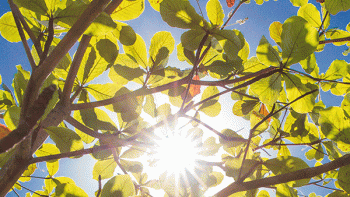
[215, 12]
[336, 6]
[132, 166]
[181, 14]
[150, 106]
[244, 107]
[125, 70]
[125, 34]
[128, 10]
[20, 82]
[27, 173]
[46, 150]
[268, 89]
[337, 70]
[66, 140]
[120, 185]
[192, 38]
[162, 45]
[309, 63]
[155, 4]
[133, 153]
[212, 107]
[70, 190]
[214, 179]
[295, 89]
[343, 178]
[105, 168]
[92, 65]
[38, 6]
[276, 31]
[310, 13]
[267, 54]
[8, 28]
[229, 42]
[102, 91]
[253, 65]
[334, 124]
[137, 52]
[345, 104]
[209, 147]
[298, 3]
[282, 165]
[299, 40]
[129, 108]
[11, 117]
[163, 111]
[263, 193]
[284, 190]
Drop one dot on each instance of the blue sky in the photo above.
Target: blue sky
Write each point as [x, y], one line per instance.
[150, 22]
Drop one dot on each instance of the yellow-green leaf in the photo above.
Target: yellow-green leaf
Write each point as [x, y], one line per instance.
[299, 40]
[120, 185]
[128, 10]
[215, 12]
[335, 6]
[267, 54]
[105, 168]
[66, 140]
[310, 13]
[137, 51]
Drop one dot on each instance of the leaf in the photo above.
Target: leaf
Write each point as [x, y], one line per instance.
[8, 28]
[38, 6]
[263, 111]
[229, 42]
[11, 117]
[337, 70]
[125, 34]
[155, 4]
[243, 107]
[230, 3]
[65, 139]
[334, 124]
[253, 65]
[137, 52]
[150, 106]
[309, 64]
[310, 13]
[295, 32]
[70, 190]
[191, 39]
[276, 31]
[123, 71]
[27, 173]
[282, 165]
[212, 107]
[162, 45]
[214, 179]
[195, 89]
[46, 150]
[105, 168]
[336, 6]
[133, 153]
[343, 178]
[284, 190]
[298, 3]
[181, 14]
[210, 147]
[268, 89]
[92, 65]
[20, 82]
[4, 131]
[295, 89]
[267, 54]
[128, 10]
[215, 12]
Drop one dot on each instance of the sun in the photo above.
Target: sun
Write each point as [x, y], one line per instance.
[175, 152]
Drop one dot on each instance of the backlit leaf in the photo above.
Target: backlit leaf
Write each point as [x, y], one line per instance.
[8, 28]
[137, 51]
[105, 168]
[310, 13]
[268, 89]
[276, 31]
[66, 140]
[128, 10]
[215, 12]
[299, 40]
[335, 6]
[267, 54]
[120, 185]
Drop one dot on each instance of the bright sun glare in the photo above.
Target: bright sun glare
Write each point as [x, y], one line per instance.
[175, 153]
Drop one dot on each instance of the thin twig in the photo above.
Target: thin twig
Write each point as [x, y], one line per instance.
[99, 186]
[116, 159]
[30, 190]
[233, 13]
[335, 40]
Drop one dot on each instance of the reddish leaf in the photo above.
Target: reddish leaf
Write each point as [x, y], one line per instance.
[4, 131]
[230, 3]
[195, 89]
[263, 111]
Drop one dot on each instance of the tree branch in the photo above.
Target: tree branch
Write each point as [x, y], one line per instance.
[68, 86]
[335, 40]
[284, 178]
[21, 34]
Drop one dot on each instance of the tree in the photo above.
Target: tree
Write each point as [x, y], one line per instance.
[280, 101]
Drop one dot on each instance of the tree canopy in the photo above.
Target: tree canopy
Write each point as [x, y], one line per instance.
[125, 122]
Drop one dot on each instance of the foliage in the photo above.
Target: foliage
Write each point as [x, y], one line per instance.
[280, 100]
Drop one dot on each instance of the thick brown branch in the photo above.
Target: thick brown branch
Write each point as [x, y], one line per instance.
[284, 178]
[335, 40]
[48, 42]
